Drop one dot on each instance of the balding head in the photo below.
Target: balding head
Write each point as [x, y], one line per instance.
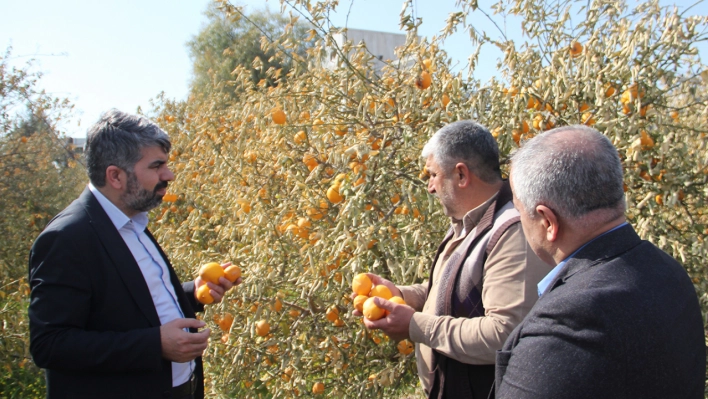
[574, 170]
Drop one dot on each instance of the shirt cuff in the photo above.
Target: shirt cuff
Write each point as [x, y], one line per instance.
[419, 327]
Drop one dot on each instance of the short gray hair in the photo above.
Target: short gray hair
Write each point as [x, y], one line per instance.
[467, 142]
[571, 176]
[117, 139]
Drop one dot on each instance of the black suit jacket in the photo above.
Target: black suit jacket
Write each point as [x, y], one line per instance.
[93, 325]
[621, 320]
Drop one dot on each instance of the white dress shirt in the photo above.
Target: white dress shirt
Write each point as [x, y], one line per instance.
[154, 270]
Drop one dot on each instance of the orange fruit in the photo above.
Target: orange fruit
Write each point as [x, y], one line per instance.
[371, 311]
[226, 321]
[211, 272]
[318, 388]
[576, 49]
[169, 197]
[262, 328]
[583, 107]
[587, 119]
[278, 116]
[333, 194]
[232, 273]
[203, 295]
[361, 284]
[300, 137]
[277, 305]
[445, 100]
[381, 291]
[310, 161]
[424, 80]
[646, 141]
[332, 313]
[405, 347]
[359, 302]
[398, 300]
[659, 199]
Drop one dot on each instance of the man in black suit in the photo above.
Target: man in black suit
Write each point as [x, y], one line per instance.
[617, 317]
[108, 315]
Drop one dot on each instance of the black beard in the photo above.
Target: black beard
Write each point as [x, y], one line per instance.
[140, 199]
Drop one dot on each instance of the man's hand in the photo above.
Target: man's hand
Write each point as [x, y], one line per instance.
[395, 324]
[217, 291]
[376, 280]
[180, 346]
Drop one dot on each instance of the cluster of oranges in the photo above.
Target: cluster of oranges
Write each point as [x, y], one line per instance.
[211, 272]
[366, 291]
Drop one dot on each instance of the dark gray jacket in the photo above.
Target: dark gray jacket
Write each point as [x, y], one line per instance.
[621, 320]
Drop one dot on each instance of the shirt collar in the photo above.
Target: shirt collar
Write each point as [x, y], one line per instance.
[543, 284]
[472, 218]
[117, 216]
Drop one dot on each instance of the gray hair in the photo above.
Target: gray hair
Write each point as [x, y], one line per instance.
[118, 139]
[467, 142]
[571, 175]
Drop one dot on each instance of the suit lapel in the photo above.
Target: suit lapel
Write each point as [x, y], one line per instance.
[122, 259]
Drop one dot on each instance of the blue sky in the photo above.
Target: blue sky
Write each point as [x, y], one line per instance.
[109, 53]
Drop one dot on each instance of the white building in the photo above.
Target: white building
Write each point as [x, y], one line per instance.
[381, 45]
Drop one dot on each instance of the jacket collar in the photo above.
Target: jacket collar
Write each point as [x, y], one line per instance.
[122, 259]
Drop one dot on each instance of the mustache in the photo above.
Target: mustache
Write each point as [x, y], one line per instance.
[160, 185]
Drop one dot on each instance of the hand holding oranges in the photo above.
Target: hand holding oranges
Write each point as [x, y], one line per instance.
[214, 280]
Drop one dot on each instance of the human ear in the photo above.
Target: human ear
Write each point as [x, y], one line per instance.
[549, 220]
[115, 177]
[463, 174]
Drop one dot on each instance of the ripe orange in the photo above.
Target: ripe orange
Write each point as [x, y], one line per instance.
[576, 49]
[445, 100]
[277, 305]
[646, 141]
[405, 347]
[424, 80]
[361, 284]
[226, 321]
[333, 194]
[587, 119]
[398, 300]
[278, 116]
[381, 291]
[211, 272]
[232, 273]
[300, 137]
[359, 302]
[203, 295]
[371, 311]
[318, 388]
[262, 328]
[310, 161]
[169, 197]
[332, 313]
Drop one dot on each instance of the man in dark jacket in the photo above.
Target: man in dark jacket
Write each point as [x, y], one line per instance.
[617, 317]
[108, 315]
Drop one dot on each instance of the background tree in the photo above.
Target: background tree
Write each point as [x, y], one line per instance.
[313, 180]
[40, 173]
[236, 40]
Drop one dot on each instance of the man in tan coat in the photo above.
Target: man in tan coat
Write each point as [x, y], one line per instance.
[484, 276]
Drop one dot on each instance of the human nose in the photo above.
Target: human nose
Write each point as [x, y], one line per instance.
[431, 187]
[168, 175]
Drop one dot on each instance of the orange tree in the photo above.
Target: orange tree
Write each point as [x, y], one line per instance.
[308, 182]
[39, 175]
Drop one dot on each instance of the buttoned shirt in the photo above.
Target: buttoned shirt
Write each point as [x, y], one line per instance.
[153, 268]
[512, 271]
